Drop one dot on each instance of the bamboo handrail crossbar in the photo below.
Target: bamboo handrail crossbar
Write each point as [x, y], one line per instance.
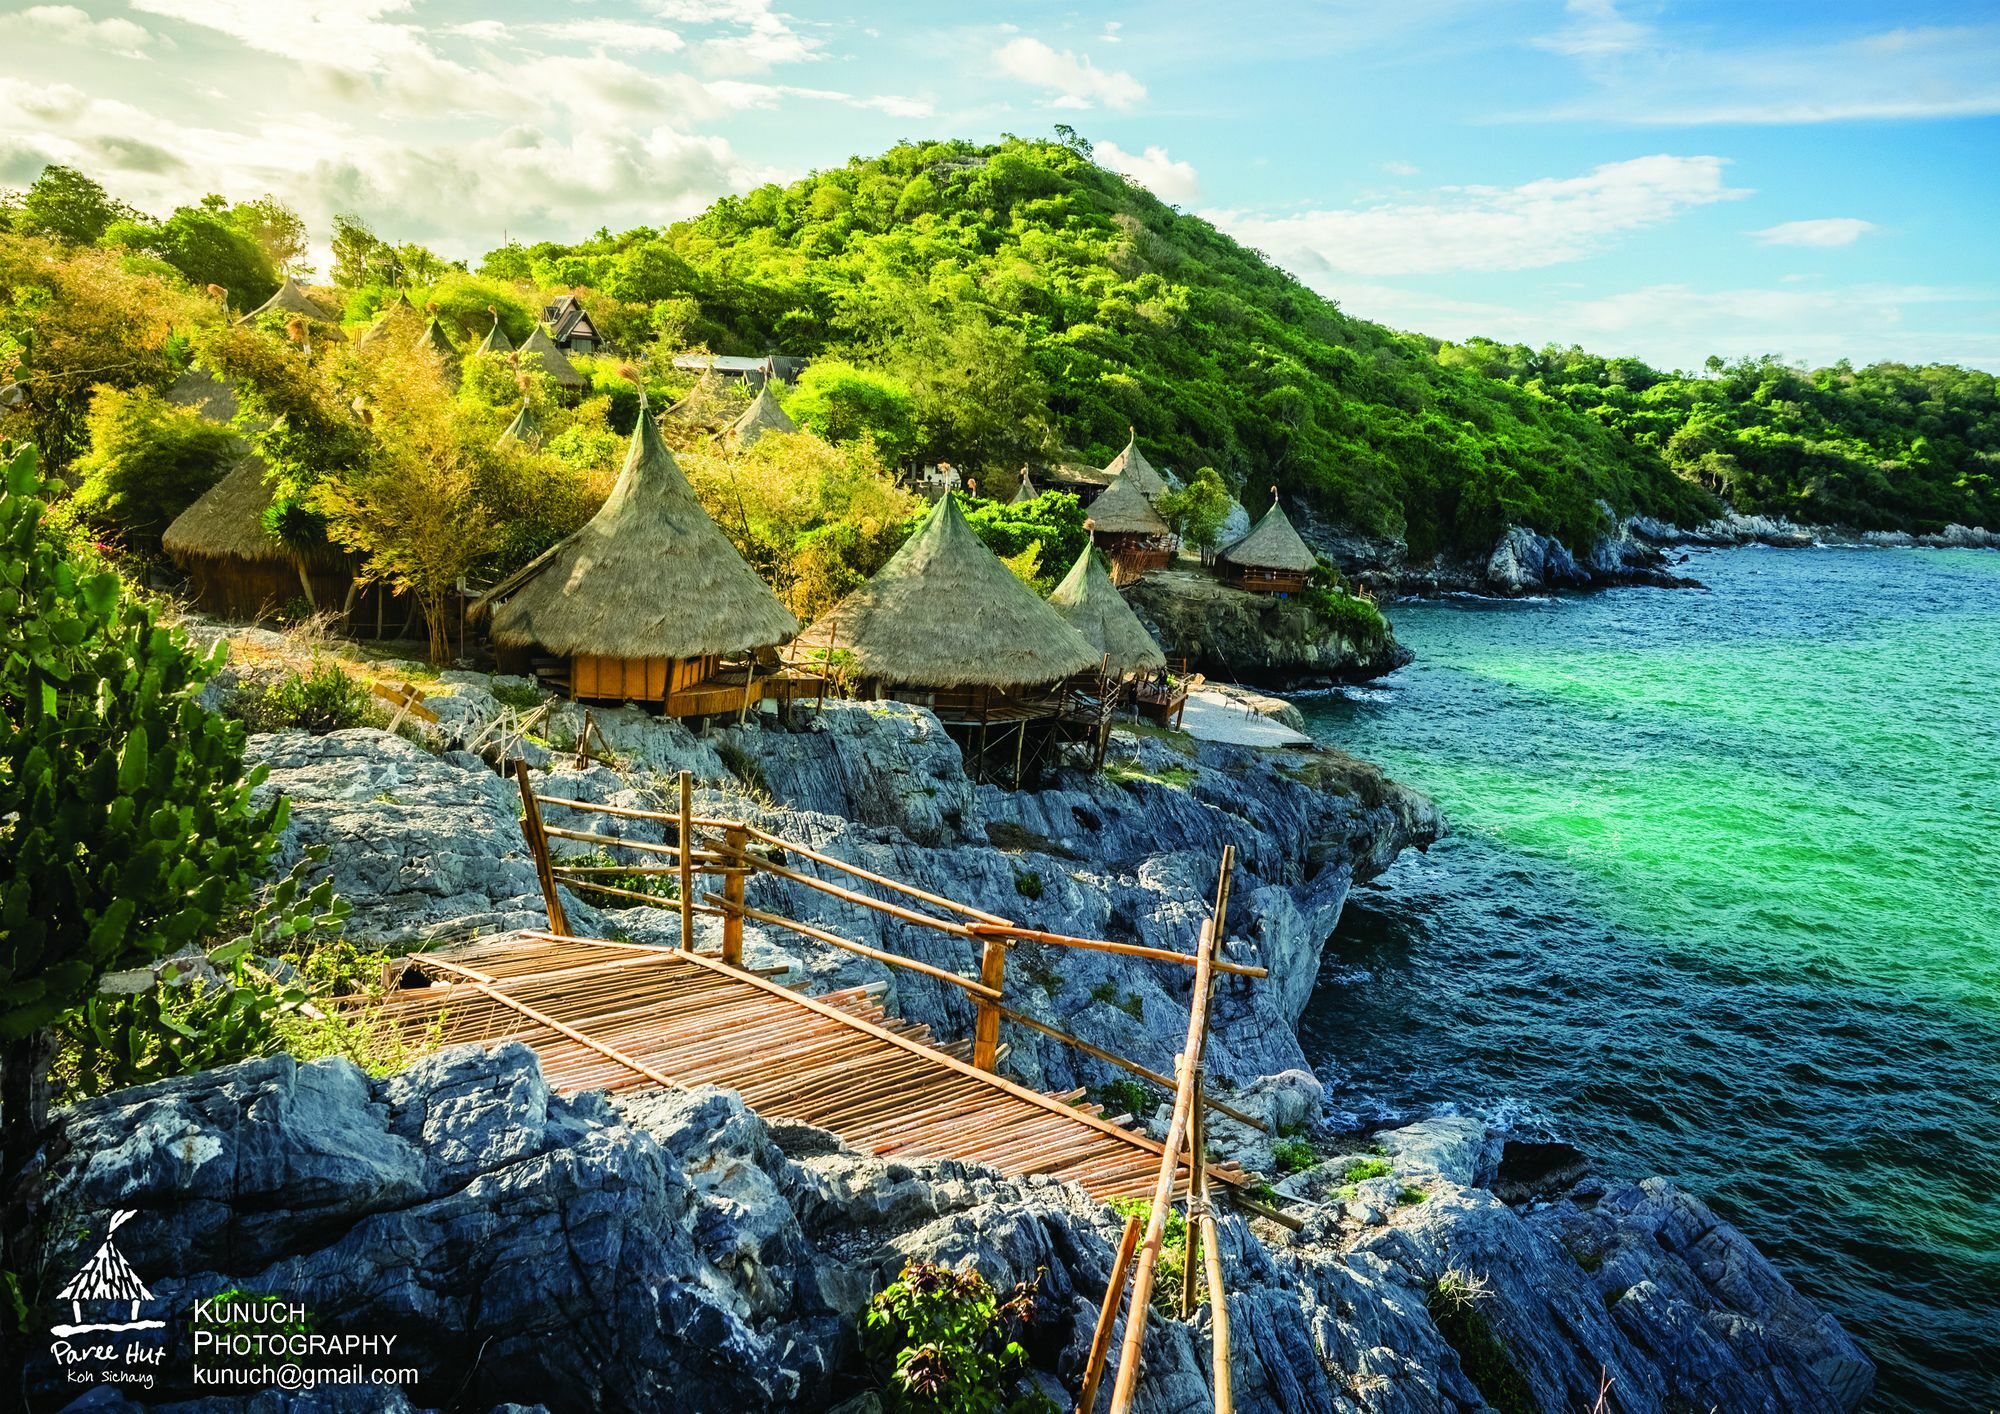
[1143, 1072]
[908, 915]
[633, 812]
[559, 832]
[1065, 940]
[858, 872]
[630, 893]
[849, 945]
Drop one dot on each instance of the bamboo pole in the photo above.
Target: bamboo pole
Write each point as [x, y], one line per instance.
[1197, 1199]
[1218, 1317]
[686, 843]
[1107, 1318]
[908, 890]
[538, 848]
[735, 844]
[986, 1023]
[1113, 1058]
[908, 915]
[978, 989]
[1064, 940]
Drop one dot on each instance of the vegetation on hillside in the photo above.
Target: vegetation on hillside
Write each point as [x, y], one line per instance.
[1883, 447]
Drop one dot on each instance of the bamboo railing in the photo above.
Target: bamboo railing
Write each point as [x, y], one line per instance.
[734, 860]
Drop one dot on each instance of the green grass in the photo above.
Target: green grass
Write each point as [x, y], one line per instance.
[1127, 774]
[1361, 1170]
[1294, 1155]
[1027, 883]
[1409, 1195]
[1454, 1304]
[1169, 1272]
[1125, 1097]
[520, 698]
[1131, 1003]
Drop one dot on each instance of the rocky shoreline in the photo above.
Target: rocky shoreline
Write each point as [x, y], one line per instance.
[682, 1251]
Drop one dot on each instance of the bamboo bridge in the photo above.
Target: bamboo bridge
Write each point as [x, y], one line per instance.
[624, 1017]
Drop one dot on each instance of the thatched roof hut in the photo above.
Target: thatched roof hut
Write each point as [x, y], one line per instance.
[1131, 465]
[1124, 510]
[496, 340]
[762, 416]
[1272, 557]
[236, 569]
[647, 597]
[524, 429]
[1091, 604]
[398, 323]
[290, 299]
[200, 391]
[1025, 492]
[944, 612]
[539, 353]
[435, 339]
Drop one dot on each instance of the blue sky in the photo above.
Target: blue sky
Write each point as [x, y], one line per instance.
[1663, 179]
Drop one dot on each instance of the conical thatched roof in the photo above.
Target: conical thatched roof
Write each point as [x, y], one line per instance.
[398, 321]
[1272, 544]
[763, 415]
[524, 428]
[107, 1276]
[496, 340]
[1025, 492]
[434, 339]
[290, 299]
[227, 522]
[944, 612]
[200, 391]
[1091, 604]
[539, 349]
[1122, 509]
[1131, 465]
[651, 576]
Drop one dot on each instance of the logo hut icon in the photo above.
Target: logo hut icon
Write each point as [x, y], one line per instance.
[107, 1278]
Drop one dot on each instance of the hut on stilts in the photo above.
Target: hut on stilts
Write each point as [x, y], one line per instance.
[235, 567]
[762, 416]
[945, 625]
[1131, 664]
[1272, 558]
[1131, 467]
[1129, 531]
[648, 603]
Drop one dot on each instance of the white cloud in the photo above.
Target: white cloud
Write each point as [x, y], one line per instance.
[1596, 30]
[1401, 169]
[1923, 72]
[1154, 170]
[68, 23]
[601, 33]
[1823, 234]
[1538, 223]
[1076, 82]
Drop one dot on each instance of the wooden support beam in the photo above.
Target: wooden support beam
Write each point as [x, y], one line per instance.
[1112, 1058]
[538, 849]
[1107, 1318]
[986, 1024]
[686, 843]
[735, 845]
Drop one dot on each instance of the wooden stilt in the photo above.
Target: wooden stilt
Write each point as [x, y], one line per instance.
[1107, 1318]
[538, 849]
[986, 1023]
[687, 860]
[735, 845]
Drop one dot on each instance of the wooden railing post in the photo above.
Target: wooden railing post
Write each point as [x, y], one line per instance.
[687, 860]
[1107, 1318]
[736, 844]
[986, 1024]
[538, 848]
[1197, 1195]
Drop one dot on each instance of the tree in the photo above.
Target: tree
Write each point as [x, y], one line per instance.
[147, 463]
[1198, 510]
[68, 206]
[127, 827]
[277, 229]
[842, 403]
[209, 249]
[360, 257]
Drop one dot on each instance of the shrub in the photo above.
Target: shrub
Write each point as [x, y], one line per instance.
[1361, 1170]
[942, 1342]
[148, 461]
[843, 403]
[126, 824]
[1293, 1155]
[1027, 883]
[1125, 1096]
[320, 700]
[1454, 1304]
[1352, 617]
[1171, 1270]
[1409, 1195]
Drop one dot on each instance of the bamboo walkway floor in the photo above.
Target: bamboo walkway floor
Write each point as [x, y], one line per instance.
[625, 1016]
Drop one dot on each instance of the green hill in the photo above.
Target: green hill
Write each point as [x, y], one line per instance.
[1038, 306]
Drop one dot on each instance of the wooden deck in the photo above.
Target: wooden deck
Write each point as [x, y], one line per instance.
[623, 1016]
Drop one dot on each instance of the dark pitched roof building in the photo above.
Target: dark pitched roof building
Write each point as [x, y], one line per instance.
[570, 327]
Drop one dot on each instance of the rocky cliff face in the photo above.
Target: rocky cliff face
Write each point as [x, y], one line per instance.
[1254, 638]
[682, 1253]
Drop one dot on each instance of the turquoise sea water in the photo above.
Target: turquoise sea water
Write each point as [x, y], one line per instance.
[1723, 903]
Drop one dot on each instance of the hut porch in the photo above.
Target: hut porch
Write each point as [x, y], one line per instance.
[1007, 736]
[1258, 580]
[678, 687]
[1134, 555]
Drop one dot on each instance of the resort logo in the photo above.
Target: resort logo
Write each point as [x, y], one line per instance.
[107, 1290]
